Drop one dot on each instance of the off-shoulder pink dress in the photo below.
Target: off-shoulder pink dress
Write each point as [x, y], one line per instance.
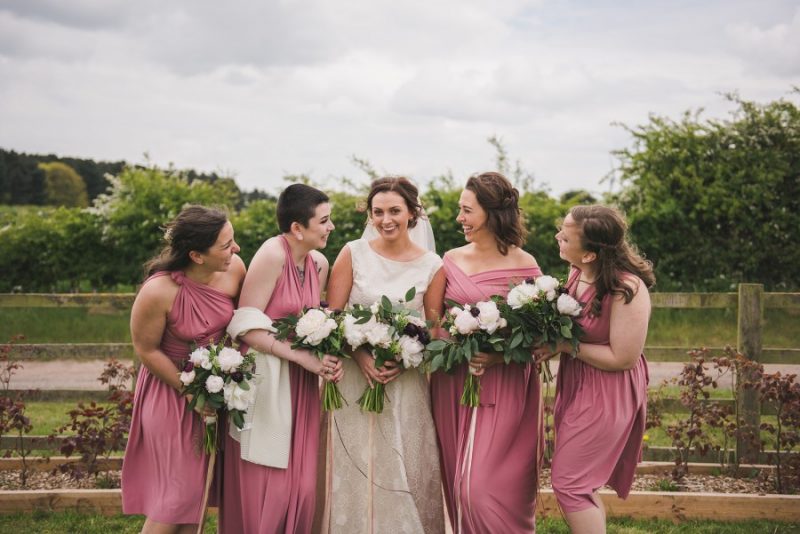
[491, 454]
[164, 470]
[257, 498]
[599, 417]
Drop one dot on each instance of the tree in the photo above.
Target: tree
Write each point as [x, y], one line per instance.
[63, 186]
[717, 202]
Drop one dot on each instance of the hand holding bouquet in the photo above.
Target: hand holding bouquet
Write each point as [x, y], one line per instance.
[540, 312]
[473, 329]
[319, 331]
[390, 332]
[218, 377]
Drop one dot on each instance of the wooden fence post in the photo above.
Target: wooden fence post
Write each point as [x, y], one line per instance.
[751, 313]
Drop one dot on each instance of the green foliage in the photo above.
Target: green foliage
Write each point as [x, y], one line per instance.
[139, 204]
[254, 225]
[717, 202]
[63, 186]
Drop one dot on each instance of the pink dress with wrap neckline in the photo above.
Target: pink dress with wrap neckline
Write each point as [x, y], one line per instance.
[493, 489]
[257, 498]
[163, 472]
[599, 417]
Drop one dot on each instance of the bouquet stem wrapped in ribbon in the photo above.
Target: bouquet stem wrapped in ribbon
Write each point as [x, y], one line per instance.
[390, 332]
[319, 331]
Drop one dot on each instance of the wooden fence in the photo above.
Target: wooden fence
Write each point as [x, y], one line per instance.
[750, 300]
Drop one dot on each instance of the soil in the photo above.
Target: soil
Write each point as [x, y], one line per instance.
[10, 480]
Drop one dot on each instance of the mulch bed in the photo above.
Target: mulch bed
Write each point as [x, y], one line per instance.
[761, 485]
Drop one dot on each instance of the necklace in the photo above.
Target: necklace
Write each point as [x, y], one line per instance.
[587, 282]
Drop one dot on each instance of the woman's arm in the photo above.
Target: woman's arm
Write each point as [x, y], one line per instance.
[628, 332]
[433, 300]
[341, 282]
[148, 322]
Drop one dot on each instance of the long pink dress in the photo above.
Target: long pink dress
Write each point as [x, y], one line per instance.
[599, 418]
[491, 454]
[164, 470]
[257, 498]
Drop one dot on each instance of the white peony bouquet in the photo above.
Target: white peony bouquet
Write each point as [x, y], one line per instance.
[473, 328]
[539, 312]
[389, 331]
[320, 331]
[219, 377]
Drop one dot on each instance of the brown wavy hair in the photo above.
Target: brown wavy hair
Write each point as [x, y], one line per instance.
[603, 230]
[403, 187]
[500, 200]
[195, 228]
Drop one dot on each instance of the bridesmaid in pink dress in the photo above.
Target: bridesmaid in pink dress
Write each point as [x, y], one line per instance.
[491, 454]
[601, 392]
[286, 274]
[187, 300]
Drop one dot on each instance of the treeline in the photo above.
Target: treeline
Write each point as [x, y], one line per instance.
[50, 180]
[711, 202]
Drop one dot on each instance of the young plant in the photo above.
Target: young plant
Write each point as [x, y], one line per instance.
[784, 393]
[12, 410]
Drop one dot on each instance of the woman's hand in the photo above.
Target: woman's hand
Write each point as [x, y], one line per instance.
[390, 370]
[205, 411]
[366, 363]
[329, 367]
[545, 352]
[333, 370]
[483, 360]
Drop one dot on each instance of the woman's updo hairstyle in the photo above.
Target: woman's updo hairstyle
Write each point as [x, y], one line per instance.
[403, 187]
[500, 201]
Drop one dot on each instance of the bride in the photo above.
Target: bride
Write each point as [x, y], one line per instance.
[383, 469]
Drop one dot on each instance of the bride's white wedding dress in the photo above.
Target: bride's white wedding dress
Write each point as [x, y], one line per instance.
[383, 469]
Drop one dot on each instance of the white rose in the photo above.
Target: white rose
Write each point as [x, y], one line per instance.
[237, 398]
[214, 384]
[378, 335]
[465, 323]
[454, 311]
[410, 351]
[187, 378]
[229, 359]
[547, 285]
[568, 306]
[201, 358]
[489, 318]
[521, 295]
[374, 308]
[314, 326]
[353, 333]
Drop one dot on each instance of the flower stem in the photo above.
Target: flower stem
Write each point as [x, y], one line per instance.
[472, 391]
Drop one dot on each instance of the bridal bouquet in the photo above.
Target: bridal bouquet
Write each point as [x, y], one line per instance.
[473, 328]
[539, 311]
[390, 332]
[318, 330]
[219, 377]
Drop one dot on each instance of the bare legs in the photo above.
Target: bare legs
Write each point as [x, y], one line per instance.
[589, 521]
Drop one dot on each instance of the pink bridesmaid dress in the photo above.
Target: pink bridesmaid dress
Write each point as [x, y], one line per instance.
[599, 417]
[260, 499]
[164, 470]
[491, 454]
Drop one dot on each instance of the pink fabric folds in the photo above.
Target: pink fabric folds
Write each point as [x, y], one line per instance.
[164, 471]
[490, 455]
[257, 498]
[599, 418]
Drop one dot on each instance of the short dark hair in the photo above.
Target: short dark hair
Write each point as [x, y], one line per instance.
[196, 228]
[403, 187]
[298, 203]
[500, 200]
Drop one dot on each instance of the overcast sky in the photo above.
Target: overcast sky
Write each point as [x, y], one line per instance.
[263, 89]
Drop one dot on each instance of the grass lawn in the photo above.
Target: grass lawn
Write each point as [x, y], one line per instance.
[52, 523]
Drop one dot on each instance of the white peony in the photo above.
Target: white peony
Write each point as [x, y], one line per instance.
[410, 351]
[378, 334]
[229, 359]
[521, 295]
[374, 308]
[214, 384]
[465, 323]
[489, 318]
[354, 333]
[201, 358]
[187, 378]
[314, 326]
[237, 398]
[413, 319]
[547, 285]
[568, 306]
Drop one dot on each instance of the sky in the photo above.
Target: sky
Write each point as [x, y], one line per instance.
[259, 90]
